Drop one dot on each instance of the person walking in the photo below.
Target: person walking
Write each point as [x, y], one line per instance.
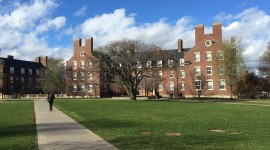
[50, 100]
[157, 95]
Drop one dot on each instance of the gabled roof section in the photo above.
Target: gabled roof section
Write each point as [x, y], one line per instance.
[176, 54]
[8, 62]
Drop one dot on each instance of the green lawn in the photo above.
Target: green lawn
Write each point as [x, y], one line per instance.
[122, 123]
[17, 125]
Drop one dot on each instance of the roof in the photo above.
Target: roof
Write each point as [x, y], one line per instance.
[176, 54]
[10, 62]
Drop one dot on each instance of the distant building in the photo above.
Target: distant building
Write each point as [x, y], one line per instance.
[187, 72]
[19, 76]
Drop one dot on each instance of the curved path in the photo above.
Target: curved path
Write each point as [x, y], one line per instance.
[57, 131]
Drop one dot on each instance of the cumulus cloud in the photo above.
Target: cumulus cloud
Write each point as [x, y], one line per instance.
[117, 25]
[21, 26]
[81, 12]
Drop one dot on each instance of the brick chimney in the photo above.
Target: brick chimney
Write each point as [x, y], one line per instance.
[180, 45]
[199, 33]
[42, 60]
[217, 31]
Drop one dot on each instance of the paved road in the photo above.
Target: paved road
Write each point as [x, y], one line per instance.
[57, 131]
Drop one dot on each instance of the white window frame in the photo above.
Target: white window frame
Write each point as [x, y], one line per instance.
[170, 62]
[222, 83]
[74, 88]
[208, 58]
[160, 74]
[182, 62]
[37, 72]
[182, 74]
[160, 87]
[199, 70]
[159, 63]
[149, 64]
[171, 86]
[182, 86]
[81, 75]
[197, 59]
[11, 79]
[90, 88]
[200, 85]
[82, 87]
[11, 69]
[212, 85]
[22, 79]
[74, 76]
[82, 64]
[221, 70]
[211, 69]
[74, 65]
[22, 71]
[90, 76]
[30, 71]
[139, 64]
[90, 63]
[220, 55]
[171, 74]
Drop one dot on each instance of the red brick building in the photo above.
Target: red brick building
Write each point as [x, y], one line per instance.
[19, 76]
[187, 73]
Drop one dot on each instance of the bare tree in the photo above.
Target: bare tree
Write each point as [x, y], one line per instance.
[126, 60]
[264, 66]
[198, 85]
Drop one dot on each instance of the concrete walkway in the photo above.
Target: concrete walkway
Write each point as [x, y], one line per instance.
[57, 131]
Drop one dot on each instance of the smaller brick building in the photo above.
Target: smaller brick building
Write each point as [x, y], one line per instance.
[19, 76]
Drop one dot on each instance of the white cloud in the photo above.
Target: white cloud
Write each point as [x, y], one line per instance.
[24, 29]
[81, 12]
[117, 25]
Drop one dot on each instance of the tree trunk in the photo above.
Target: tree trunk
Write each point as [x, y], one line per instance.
[132, 94]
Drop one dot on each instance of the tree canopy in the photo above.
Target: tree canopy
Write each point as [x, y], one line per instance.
[51, 78]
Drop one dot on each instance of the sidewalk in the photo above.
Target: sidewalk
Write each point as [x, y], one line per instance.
[57, 131]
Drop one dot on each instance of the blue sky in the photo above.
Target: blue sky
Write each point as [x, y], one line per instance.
[29, 28]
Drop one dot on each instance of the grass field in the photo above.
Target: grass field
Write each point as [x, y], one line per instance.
[145, 124]
[17, 125]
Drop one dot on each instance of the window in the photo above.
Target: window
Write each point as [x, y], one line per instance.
[90, 76]
[74, 88]
[82, 64]
[22, 79]
[22, 71]
[171, 86]
[208, 56]
[30, 79]
[171, 74]
[182, 62]
[90, 64]
[37, 72]
[11, 88]
[30, 71]
[160, 86]
[139, 64]
[170, 62]
[197, 71]
[182, 73]
[198, 84]
[90, 88]
[74, 75]
[11, 69]
[74, 64]
[82, 87]
[222, 84]
[11, 79]
[209, 70]
[159, 63]
[182, 86]
[221, 70]
[209, 84]
[197, 56]
[220, 55]
[82, 75]
[160, 74]
[149, 64]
